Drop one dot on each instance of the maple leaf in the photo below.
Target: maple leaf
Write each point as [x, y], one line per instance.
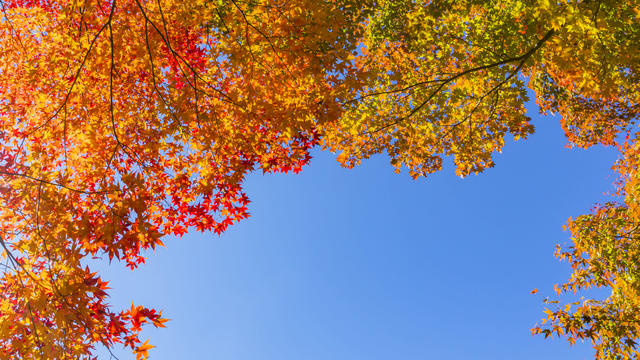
[142, 351]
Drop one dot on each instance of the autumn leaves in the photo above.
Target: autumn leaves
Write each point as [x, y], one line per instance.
[124, 121]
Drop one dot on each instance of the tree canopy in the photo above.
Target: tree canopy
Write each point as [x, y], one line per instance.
[124, 121]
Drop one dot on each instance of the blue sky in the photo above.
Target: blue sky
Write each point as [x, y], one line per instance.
[367, 264]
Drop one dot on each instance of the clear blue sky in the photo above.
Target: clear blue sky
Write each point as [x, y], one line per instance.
[366, 264]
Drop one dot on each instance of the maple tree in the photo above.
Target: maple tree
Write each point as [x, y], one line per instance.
[124, 121]
[449, 78]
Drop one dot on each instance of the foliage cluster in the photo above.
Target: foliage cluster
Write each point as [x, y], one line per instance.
[123, 121]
